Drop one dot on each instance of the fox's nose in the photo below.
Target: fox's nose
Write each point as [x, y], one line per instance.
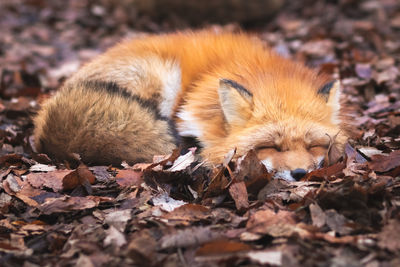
[297, 174]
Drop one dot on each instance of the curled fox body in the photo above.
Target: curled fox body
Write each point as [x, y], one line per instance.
[225, 90]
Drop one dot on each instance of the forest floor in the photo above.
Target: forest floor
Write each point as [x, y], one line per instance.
[173, 212]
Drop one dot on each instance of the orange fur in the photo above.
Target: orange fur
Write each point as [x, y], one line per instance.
[278, 107]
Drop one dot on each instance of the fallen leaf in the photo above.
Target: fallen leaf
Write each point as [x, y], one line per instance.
[128, 178]
[114, 237]
[218, 183]
[193, 236]
[389, 238]
[337, 222]
[118, 219]
[266, 257]
[42, 168]
[101, 173]
[142, 247]
[188, 213]
[353, 155]
[80, 176]
[330, 173]
[251, 171]
[279, 224]
[184, 161]
[167, 203]
[382, 163]
[363, 70]
[387, 75]
[5, 203]
[238, 193]
[221, 247]
[53, 179]
[318, 48]
[10, 159]
[369, 151]
[66, 204]
[13, 185]
[287, 191]
[317, 215]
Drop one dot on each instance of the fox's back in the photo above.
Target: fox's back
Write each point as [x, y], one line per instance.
[203, 57]
[196, 53]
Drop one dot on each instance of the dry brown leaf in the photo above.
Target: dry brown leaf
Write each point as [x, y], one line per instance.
[281, 223]
[142, 247]
[382, 163]
[337, 222]
[189, 213]
[218, 183]
[238, 193]
[389, 238]
[336, 240]
[24, 191]
[101, 174]
[128, 178]
[53, 179]
[118, 219]
[328, 173]
[60, 180]
[222, 247]
[67, 204]
[193, 236]
[387, 75]
[317, 215]
[5, 202]
[251, 171]
[114, 237]
[80, 176]
[318, 48]
[287, 191]
[10, 159]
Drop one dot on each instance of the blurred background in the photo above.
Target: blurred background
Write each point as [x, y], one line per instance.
[42, 35]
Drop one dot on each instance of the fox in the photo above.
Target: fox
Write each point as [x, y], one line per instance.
[144, 97]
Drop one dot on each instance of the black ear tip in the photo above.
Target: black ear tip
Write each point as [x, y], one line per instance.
[228, 82]
[324, 90]
[240, 88]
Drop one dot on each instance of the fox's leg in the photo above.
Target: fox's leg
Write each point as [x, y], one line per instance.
[103, 124]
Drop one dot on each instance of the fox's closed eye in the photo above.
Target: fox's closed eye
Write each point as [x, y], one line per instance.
[272, 147]
[323, 146]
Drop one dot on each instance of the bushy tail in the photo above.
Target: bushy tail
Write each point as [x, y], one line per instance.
[102, 124]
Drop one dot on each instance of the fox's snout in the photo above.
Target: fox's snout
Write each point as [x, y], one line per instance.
[291, 165]
[298, 173]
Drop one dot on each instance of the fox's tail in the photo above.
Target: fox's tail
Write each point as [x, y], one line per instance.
[103, 124]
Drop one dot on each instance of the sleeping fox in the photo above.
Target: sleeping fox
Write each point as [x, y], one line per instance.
[142, 97]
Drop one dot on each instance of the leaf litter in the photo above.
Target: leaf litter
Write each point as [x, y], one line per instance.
[173, 211]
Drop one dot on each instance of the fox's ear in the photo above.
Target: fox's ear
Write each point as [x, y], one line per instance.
[330, 90]
[236, 102]
[331, 93]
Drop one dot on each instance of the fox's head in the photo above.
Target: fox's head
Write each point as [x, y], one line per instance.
[294, 126]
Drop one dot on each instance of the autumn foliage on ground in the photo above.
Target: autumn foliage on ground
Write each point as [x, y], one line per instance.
[173, 211]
